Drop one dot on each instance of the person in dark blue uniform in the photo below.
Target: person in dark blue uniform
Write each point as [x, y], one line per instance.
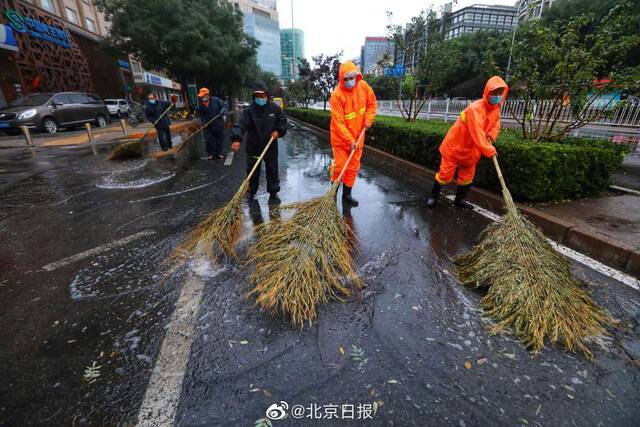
[211, 106]
[261, 120]
[154, 109]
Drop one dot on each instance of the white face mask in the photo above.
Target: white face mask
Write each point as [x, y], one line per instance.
[350, 84]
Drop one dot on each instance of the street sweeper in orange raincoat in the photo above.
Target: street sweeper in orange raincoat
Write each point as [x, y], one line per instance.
[470, 138]
[353, 108]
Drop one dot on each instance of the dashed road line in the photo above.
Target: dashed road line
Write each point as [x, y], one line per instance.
[77, 257]
[162, 396]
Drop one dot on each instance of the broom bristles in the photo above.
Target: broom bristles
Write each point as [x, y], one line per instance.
[531, 288]
[175, 150]
[217, 234]
[128, 150]
[302, 262]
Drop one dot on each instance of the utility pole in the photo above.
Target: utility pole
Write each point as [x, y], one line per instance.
[513, 38]
[293, 47]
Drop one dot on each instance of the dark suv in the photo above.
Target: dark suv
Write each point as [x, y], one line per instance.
[50, 111]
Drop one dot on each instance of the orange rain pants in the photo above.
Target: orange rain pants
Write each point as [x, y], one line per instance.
[351, 111]
[471, 136]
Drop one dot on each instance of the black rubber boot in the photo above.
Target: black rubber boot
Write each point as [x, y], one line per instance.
[346, 196]
[274, 199]
[461, 194]
[432, 200]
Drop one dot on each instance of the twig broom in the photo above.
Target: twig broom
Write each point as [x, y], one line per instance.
[178, 148]
[531, 288]
[304, 261]
[221, 230]
[133, 149]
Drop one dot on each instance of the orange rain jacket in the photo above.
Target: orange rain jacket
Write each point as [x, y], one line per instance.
[351, 111]
[467, 141]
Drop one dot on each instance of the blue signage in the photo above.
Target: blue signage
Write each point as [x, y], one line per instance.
[388, 71]
[398, 70]
[154, 79]
[37, 29]
[7, 39]
[124, 64]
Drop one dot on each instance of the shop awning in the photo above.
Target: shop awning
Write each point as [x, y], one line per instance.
[7, 39]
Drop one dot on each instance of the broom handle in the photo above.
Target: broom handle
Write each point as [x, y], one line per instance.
[344, 168]
[156, 122]
[499, 172]
[264, 152]
[200, 128]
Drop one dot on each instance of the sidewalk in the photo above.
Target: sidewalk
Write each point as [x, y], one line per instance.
[629, 174]
[101, 135]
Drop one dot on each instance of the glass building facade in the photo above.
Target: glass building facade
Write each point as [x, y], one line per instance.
[292, 48]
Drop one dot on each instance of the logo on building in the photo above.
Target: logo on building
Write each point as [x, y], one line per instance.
[37, 29]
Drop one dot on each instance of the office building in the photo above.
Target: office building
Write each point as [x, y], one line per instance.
[528, 9]
[372, 52]
[292, 47]
[480, 17]
[261, 22]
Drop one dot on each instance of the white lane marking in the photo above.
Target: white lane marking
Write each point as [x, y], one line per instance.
[163, 392]
[77, 257]
[229, 159]
[626, 190]
[628, 280]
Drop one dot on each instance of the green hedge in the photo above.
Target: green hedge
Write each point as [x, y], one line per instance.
[534, 171]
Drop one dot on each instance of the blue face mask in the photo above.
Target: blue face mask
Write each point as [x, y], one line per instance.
[350, 84]
[152, 101]
[495, 99]
[261, 102]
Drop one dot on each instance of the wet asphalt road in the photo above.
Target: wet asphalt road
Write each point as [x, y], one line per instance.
[415, 325]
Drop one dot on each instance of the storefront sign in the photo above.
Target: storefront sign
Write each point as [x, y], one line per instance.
[124, 64]
[7, 39]
[37, 29]
[153, 79]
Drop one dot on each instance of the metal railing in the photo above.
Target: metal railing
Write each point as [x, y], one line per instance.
[624, 114]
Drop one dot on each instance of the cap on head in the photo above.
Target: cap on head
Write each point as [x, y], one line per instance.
[203, 92]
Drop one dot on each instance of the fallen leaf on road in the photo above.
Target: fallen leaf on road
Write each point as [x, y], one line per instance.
[481, 361]
[266, 392]
[244, 342]
[392, 382]
[467, 365]
[341, 350]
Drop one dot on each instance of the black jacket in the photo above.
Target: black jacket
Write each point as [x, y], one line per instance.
[259, 122]
[206, 113]
[153, 111]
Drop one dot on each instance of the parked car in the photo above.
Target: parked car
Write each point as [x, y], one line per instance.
[118, 107]
[49, 112]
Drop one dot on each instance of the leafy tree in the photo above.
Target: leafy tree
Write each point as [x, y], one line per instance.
[325, 75]
[194, 39]
[302, 90]
[409, 43]
[385, 87]
[556, 66]
[567, 9]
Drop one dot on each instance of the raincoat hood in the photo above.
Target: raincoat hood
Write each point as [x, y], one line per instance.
[347, 67]
[494, 83]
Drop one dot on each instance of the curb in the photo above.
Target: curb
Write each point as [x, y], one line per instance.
[609, 251]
